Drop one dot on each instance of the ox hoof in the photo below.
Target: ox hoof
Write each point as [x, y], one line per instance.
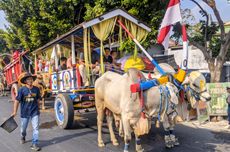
[168, 146]
[115, 143]
[101, 144]
[142, 150]
[174, 140]
[176, 143]
[139, 148]
[168, 142]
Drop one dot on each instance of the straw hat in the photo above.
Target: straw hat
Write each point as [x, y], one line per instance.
[24, 76]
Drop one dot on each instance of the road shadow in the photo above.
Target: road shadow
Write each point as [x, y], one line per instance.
[191, 138]
[57, 140]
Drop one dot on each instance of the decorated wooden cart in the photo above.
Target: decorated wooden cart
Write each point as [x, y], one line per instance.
[80, 46]
[20, 63]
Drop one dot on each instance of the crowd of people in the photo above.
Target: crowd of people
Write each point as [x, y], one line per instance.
[109, 59]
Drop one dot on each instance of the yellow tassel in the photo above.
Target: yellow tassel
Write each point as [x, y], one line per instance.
[157, 124]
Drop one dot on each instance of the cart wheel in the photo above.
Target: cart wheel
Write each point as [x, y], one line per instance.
[14, 91]
[64, 111]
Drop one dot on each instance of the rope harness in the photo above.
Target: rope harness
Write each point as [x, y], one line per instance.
[194, 93]
[165, 93]
[141, 97]
[163, 107]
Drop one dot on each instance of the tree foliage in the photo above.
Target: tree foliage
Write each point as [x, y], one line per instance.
[3, 43]
[215, 46]
[197, 33]
[151, 12]
[35, 22]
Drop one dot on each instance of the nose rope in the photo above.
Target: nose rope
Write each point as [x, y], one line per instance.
[178, 85]
[195, 94]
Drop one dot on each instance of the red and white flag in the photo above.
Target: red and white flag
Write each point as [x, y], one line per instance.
[172, 16]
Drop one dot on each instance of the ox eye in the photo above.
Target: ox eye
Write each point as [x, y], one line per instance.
[195, 85]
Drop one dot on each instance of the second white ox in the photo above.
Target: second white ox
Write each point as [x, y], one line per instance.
[112, 92]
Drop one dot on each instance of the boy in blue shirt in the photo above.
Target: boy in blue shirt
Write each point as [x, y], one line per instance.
[29, 98]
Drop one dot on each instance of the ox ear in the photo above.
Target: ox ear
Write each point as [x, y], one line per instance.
[186, 81]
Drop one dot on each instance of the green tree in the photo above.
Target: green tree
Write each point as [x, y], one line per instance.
[35, 22]
[204, 35]
[217, 50]
[3, 44]
[149, 11]
[11, 38]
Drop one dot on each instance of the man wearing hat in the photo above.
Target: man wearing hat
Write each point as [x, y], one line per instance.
[29, 98]
[228, 101]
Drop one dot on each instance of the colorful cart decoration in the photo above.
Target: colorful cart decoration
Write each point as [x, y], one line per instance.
[19, 64]
[72, 91]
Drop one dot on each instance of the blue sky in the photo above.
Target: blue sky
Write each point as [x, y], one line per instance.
[2, 20]
[222, 5]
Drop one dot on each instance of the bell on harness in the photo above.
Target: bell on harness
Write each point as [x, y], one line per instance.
[163, 79]
[180, 75]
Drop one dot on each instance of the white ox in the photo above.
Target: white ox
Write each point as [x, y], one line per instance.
[194, 85]
[112, 92]
[195, 90]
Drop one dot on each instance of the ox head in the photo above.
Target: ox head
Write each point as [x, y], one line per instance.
[195, 85]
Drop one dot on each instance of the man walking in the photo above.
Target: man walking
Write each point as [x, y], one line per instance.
[228, 102]
[29, 98]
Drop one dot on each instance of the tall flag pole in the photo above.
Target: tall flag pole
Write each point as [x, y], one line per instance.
[172, 16]
[142, 49]
[184, 63]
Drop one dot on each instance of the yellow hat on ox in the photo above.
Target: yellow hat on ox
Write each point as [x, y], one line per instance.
[134, 63]
[22, 78]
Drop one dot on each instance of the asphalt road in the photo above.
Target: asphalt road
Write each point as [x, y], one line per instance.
[83, 136]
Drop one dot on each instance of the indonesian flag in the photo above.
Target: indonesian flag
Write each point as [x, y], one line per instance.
[172, 16]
